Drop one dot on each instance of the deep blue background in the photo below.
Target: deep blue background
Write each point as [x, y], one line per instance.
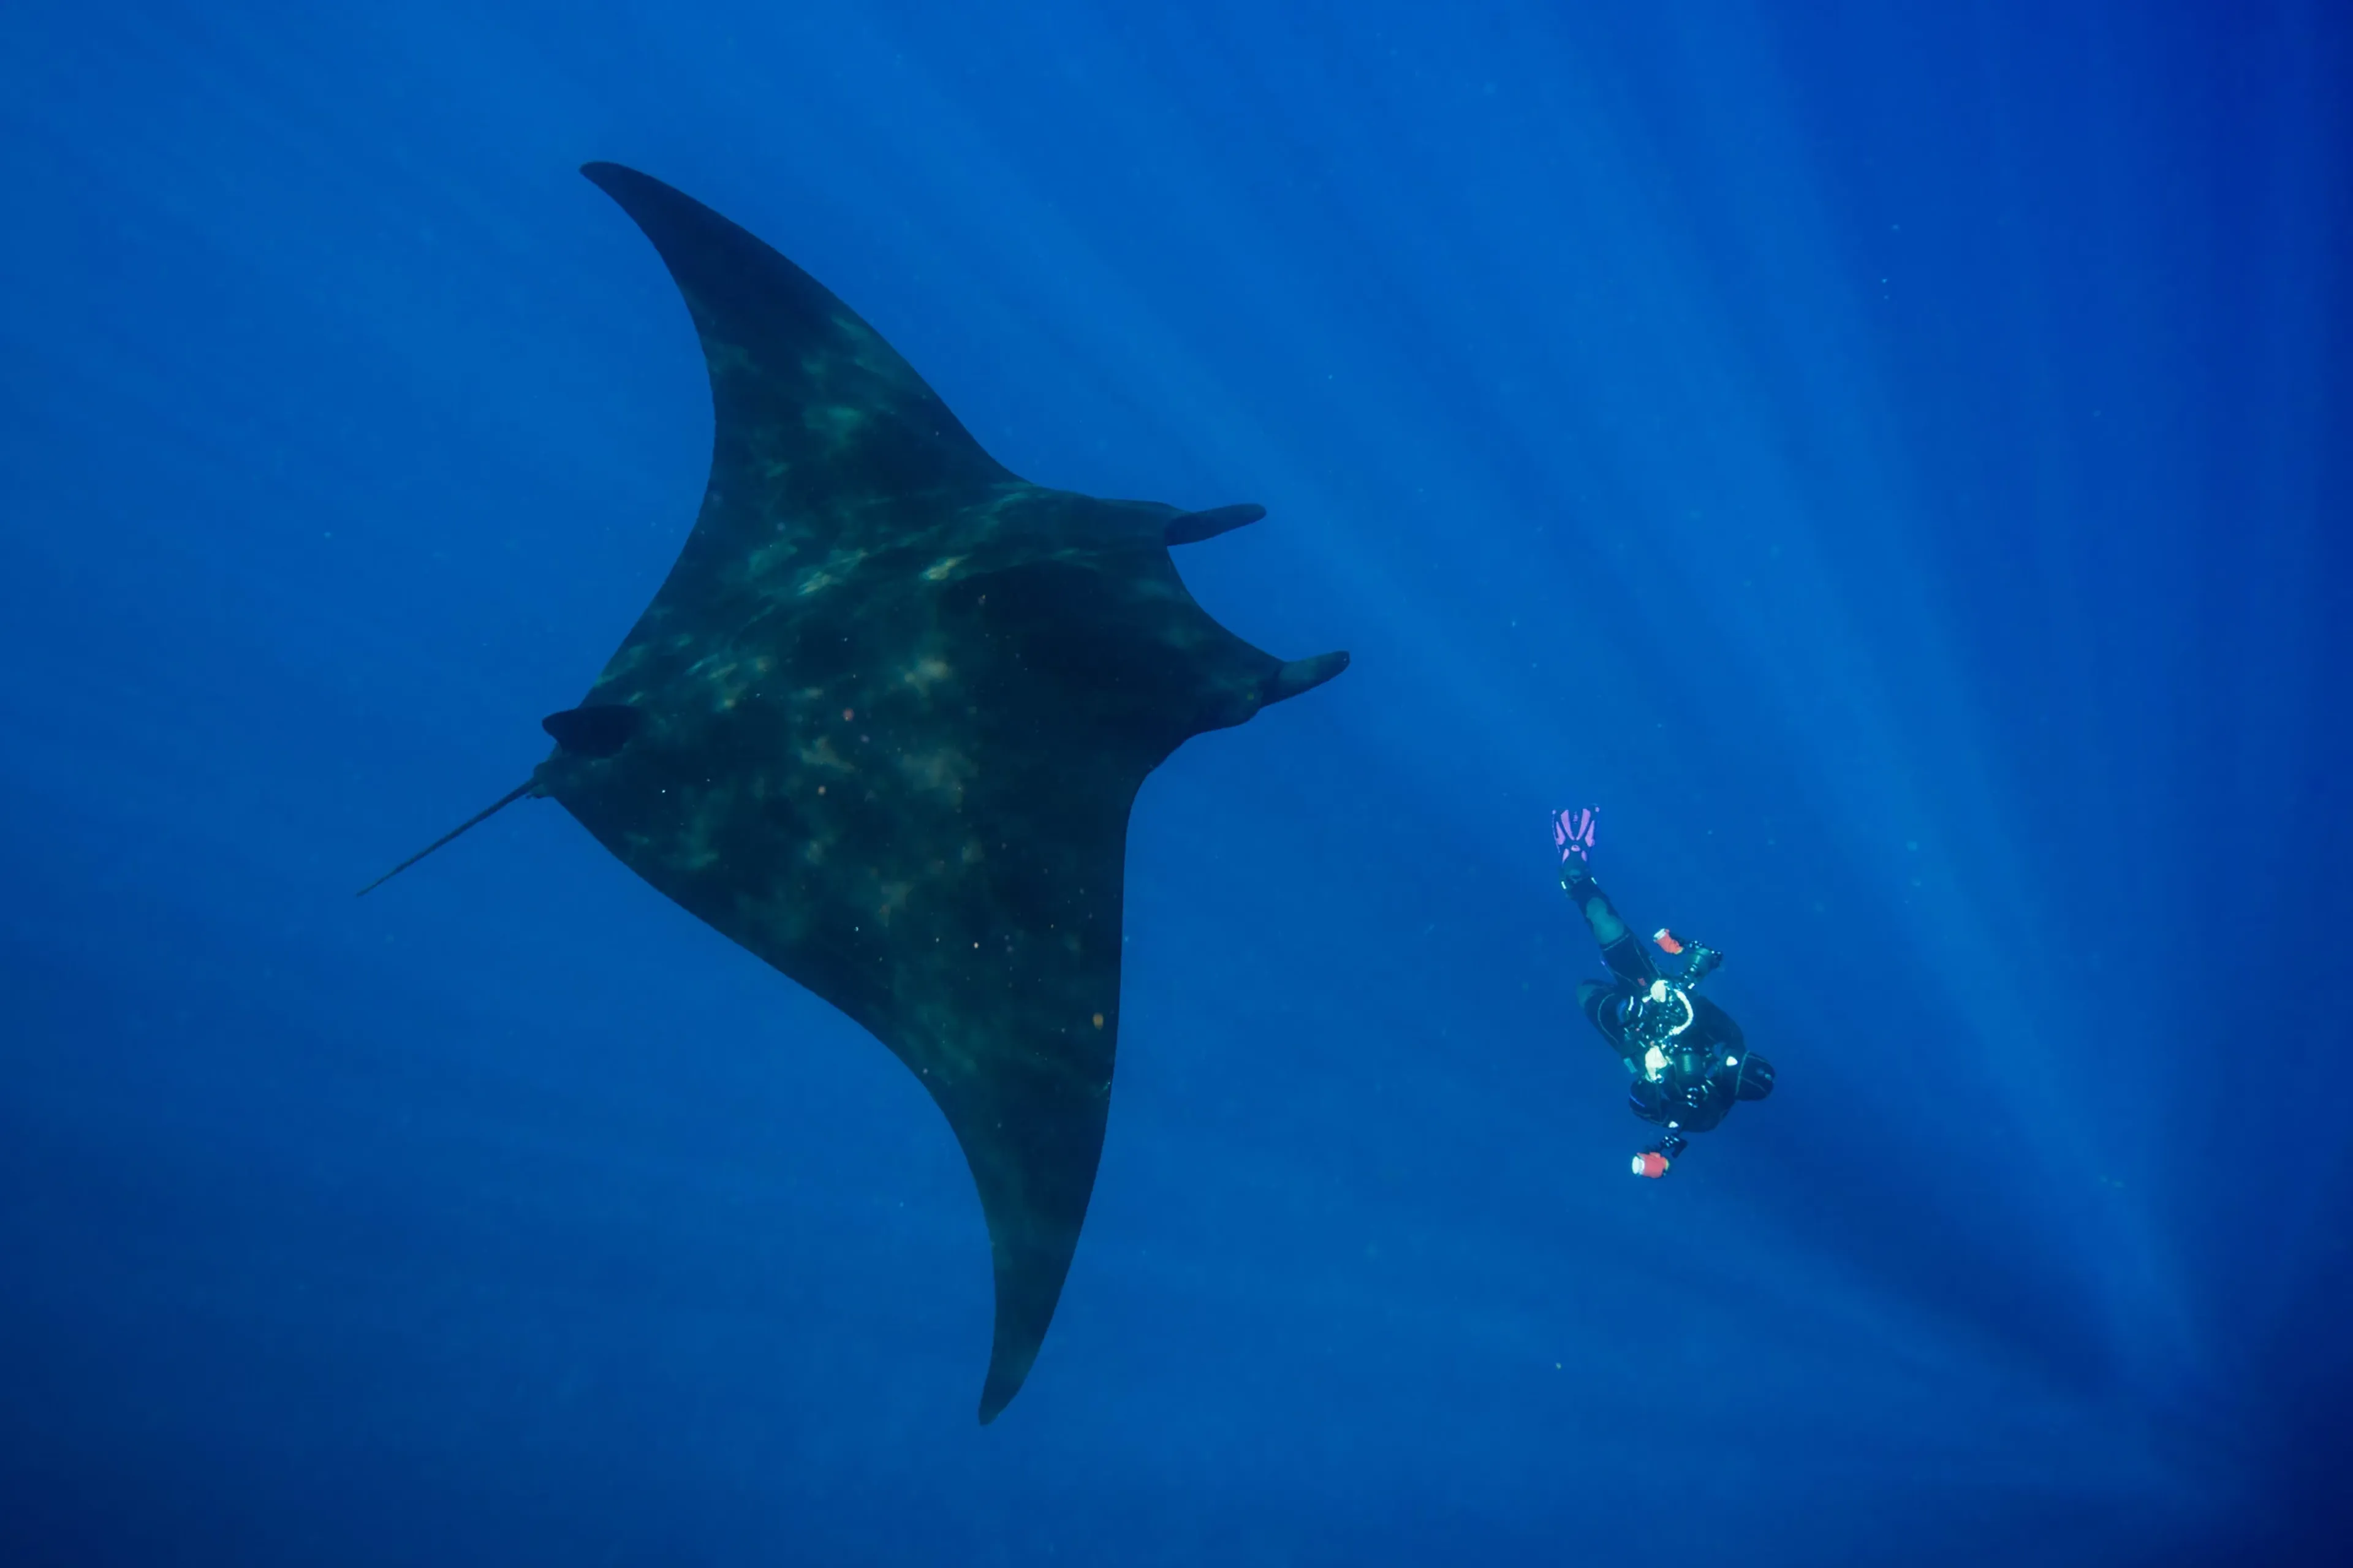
[1893, 457]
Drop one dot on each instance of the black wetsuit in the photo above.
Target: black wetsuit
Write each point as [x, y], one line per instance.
[1707, 1067]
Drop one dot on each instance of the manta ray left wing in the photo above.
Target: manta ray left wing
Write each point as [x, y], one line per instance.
[884, 723]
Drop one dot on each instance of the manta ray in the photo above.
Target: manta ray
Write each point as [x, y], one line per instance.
[884, 724]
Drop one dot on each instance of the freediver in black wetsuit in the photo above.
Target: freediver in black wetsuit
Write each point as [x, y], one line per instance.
[1688, 1062]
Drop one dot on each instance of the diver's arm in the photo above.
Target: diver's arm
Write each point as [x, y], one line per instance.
[1603, 1008]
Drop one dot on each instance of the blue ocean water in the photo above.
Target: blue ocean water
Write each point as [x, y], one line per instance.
[1894, 459]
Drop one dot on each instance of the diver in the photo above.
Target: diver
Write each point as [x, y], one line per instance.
[1689, 1063]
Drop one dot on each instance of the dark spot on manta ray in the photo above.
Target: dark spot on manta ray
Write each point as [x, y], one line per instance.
[1031, 654]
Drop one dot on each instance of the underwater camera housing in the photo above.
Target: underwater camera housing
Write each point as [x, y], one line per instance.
[1699, 961]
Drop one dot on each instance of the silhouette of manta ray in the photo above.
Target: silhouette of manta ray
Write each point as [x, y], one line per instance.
[884, 724]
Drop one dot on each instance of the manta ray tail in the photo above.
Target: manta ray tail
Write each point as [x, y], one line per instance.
[484, 814]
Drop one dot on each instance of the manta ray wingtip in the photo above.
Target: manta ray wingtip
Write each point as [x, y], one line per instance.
[1005, 1379]
[622, 184]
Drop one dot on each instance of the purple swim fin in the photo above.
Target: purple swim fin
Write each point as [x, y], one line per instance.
[1572, 832]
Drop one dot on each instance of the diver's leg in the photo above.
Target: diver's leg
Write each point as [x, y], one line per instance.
[1621, 950]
